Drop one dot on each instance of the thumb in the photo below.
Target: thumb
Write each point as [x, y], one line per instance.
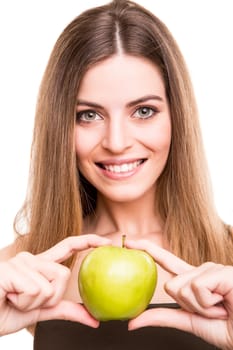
[174, 318]
[67, 310]
[211, 330]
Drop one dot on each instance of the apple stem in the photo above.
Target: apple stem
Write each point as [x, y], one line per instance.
[123, 240]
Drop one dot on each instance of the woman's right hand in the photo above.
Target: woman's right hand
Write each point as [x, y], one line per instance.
[32, 286]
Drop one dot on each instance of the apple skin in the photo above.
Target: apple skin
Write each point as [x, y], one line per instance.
[116, 283]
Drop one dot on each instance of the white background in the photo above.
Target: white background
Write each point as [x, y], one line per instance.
[28, 30]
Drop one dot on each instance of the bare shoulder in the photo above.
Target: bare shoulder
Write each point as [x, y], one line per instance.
[12, 249]
[8, 252]
[230, 231]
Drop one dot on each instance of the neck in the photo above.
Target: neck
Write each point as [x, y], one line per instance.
[136, 219]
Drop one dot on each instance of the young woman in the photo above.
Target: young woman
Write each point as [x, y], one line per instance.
[117, 149]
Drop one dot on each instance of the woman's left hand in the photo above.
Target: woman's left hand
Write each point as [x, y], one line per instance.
[205, 294]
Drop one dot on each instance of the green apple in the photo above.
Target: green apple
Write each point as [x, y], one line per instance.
[116, 283]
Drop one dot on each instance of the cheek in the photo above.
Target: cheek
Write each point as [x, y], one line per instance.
[78, 148]
[81, 144]
[159, 138]
[85, 142]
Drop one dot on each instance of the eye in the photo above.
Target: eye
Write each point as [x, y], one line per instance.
[87, 116]
[145, 112]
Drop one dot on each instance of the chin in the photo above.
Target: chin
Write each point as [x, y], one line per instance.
[125, 196]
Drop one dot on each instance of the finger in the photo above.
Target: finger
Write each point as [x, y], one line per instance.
[67, 247]
[188, 302]
[164, 258]
[191, 293]
[214, 285]
[11, 280]
[67, 310]
[163, 318]
[58, 276]
[181, 286]
[32, 295]
[45, 287]
[34, 281]
[21, 285]
[184, 321]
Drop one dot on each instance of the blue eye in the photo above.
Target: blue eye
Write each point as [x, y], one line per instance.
[144, 112]
[87, 116]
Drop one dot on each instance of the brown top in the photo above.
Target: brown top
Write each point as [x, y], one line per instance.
[113, 335]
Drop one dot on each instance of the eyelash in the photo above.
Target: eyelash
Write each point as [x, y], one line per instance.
[154, 111]
[80, 114]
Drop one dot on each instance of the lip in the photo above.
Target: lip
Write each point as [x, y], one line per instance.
[118, 162]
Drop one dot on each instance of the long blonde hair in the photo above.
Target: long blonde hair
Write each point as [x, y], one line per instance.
[58, 197]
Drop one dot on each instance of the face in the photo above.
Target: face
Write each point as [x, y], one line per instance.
[123, 129]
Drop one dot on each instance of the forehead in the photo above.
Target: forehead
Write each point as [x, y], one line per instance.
[121, 77]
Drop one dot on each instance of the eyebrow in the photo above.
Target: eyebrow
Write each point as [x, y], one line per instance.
[143, 99]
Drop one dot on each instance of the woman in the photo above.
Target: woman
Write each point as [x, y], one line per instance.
[117, 131]
[32, 288]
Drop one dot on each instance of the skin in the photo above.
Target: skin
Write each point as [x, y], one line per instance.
[34, 288]
[120, 131]
[205, 294]
[31, 290]
[123, 117]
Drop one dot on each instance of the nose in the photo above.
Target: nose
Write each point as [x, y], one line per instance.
[117, 137]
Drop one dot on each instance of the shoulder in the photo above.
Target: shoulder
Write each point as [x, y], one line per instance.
[7, 252]
[230, 231]
[12, 249]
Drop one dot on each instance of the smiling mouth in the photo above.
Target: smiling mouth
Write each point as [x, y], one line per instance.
[121, 168]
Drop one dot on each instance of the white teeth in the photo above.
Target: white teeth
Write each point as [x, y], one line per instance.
[123, 168]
